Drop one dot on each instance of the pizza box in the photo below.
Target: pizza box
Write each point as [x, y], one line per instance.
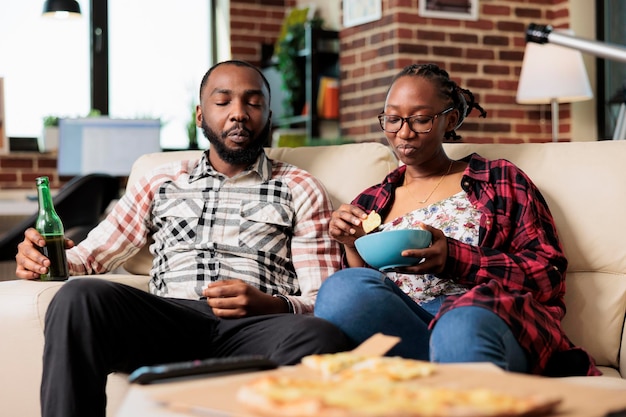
[217, 395]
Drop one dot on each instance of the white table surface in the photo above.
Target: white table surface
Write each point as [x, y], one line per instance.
[17, 203]
[140, 399]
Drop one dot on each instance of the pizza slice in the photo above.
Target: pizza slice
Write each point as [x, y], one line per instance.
[348, 364]
[282, 396]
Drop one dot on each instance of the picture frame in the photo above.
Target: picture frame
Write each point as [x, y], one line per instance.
[357, 12]
[449, 9]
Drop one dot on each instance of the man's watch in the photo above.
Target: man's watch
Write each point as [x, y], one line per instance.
[288, 301]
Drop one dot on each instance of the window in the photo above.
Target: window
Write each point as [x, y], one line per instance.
[158, 52]
[611, 74]
[45, 66]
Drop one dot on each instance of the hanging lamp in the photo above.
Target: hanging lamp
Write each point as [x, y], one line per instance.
[61, 8]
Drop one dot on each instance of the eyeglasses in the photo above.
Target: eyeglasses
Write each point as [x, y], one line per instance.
[418, 123]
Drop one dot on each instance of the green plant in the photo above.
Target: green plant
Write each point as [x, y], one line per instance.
[288, 64]
[192, 129]
[51, 121]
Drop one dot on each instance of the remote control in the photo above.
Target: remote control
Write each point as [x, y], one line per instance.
[242, 363]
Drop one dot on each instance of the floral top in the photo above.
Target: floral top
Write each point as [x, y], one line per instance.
[458, 219]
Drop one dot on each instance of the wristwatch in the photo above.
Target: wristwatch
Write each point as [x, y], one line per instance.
[288, 301]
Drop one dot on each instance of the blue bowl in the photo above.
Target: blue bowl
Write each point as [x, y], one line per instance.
[383, 250]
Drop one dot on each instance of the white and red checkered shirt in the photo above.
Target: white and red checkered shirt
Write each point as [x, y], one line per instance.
[267, 226]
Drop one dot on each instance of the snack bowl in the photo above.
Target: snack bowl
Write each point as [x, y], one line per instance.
[383, 250]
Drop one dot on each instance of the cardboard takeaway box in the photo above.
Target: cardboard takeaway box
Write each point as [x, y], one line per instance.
[217, 395]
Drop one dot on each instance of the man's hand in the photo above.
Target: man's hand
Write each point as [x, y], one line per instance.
[30, 262]
[234, 298]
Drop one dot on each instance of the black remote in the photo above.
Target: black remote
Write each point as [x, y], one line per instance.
[242, 363]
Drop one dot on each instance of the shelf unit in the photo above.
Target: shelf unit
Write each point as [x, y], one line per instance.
[320, 57]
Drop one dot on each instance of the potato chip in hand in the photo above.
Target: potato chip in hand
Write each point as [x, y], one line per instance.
[372, 221]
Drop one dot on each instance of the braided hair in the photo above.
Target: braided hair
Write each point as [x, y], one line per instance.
[463, 100]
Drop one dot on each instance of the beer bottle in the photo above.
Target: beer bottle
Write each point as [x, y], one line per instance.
[49, 225]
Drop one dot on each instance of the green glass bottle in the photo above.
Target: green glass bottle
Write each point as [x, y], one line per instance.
[49, 225]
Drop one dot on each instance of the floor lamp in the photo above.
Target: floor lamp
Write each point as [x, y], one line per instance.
[552, 74]
[544, 34]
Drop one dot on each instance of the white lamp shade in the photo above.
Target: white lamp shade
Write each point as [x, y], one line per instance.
[552, 72]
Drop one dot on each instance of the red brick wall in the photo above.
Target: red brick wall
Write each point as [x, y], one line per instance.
[18, 170]
[255, 22]
[484, 56]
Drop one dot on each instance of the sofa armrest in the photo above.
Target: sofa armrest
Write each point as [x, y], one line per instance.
[23, 307]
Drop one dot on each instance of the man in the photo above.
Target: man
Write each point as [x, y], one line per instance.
[239, 241]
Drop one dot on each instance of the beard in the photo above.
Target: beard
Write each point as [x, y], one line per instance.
[237, 156]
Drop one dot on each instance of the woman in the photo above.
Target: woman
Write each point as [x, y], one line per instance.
[491, 285]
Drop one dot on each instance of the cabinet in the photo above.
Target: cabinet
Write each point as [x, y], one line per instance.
[319, 58]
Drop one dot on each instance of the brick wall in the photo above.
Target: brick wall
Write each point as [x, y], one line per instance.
[253, 23]
[18, 170]
[484, 56]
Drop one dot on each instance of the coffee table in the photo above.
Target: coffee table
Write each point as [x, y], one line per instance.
[216, 395]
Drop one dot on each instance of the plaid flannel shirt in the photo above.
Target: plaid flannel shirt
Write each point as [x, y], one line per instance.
[267, 226]
[518, 268]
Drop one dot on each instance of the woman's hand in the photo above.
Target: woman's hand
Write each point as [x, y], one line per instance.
[434, 256]
[30, 261]
[346, 224]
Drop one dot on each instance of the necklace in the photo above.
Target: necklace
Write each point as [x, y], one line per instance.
[437, 185]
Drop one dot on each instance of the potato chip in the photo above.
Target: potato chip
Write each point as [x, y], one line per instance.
[372, 221]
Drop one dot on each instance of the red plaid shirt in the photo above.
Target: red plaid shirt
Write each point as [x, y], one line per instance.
[518, 268]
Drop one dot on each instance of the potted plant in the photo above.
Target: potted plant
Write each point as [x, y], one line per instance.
[192, 129]
[49, 140]
[290, 64]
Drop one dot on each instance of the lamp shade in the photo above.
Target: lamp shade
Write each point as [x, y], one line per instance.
[551, 72]
[61, 8]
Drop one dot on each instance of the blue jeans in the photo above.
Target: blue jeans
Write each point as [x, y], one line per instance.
[363, 301]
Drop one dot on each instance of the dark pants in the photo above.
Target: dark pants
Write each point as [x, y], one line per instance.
[94, 327]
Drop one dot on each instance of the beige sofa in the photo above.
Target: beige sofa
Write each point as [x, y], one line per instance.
[583, 182]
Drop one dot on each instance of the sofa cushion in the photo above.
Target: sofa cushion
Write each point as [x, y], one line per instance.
[596, 300]
[342, 180]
